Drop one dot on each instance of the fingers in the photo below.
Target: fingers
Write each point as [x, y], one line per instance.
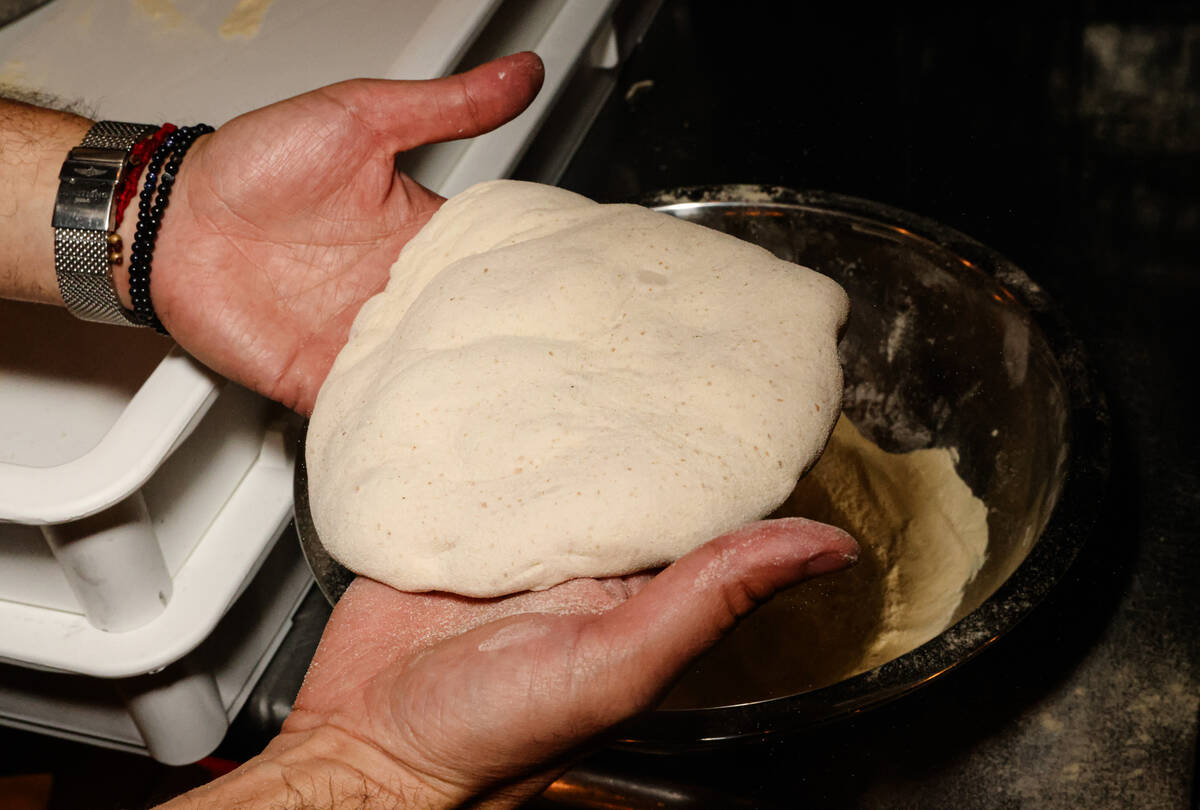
[644, 631]
[644, 643]
[473, 706]
[405, 114]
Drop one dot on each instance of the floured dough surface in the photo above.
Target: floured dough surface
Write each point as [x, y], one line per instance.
[551, 388]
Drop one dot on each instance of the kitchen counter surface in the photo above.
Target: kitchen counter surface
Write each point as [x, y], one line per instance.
[1070, 142]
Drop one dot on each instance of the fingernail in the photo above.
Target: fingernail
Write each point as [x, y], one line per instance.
[829, 562]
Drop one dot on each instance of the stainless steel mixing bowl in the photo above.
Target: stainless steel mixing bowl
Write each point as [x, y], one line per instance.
[948, 345]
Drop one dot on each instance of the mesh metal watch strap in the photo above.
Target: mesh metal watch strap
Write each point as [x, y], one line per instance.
[116, 135]
[84, 217]
[85, 276]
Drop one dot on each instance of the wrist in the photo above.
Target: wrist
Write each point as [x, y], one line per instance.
[167, 250]
[97, 180]
[120, 270]
[105, 228]
[323, 769]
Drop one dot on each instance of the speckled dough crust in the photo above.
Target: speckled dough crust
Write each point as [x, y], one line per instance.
[550, 388]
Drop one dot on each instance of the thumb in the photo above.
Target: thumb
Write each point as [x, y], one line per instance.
[645, 642]
[406, 114]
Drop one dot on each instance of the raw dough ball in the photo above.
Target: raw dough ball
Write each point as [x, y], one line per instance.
[550, 388]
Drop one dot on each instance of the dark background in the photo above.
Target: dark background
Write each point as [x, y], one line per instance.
[1064, 135]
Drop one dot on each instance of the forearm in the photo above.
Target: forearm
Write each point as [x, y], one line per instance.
[34, 141]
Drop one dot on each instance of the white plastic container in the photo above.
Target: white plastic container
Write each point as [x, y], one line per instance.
[211, 70]
[139, 493]
[179, 713]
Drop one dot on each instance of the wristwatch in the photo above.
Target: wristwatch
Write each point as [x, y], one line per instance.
[86, 245]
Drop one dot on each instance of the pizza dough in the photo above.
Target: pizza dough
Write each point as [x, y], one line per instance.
[551, 388]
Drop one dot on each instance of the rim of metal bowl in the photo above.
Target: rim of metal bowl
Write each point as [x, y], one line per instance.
[1067, 530]
[1070, 523]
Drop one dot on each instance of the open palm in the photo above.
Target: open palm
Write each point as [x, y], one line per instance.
[452, 699]
[286, 219]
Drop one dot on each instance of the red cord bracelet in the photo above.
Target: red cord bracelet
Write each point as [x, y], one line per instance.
[138, 157]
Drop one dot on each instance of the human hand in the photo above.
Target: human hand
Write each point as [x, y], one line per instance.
[286, 219]
[434, 700]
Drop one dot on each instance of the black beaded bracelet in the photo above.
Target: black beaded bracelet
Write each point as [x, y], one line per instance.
[151, 206]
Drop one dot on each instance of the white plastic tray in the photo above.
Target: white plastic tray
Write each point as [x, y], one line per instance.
[72, 444]
[103, 430]
[213, 575]
[228, 663]
[80, 50]
[300, 45]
